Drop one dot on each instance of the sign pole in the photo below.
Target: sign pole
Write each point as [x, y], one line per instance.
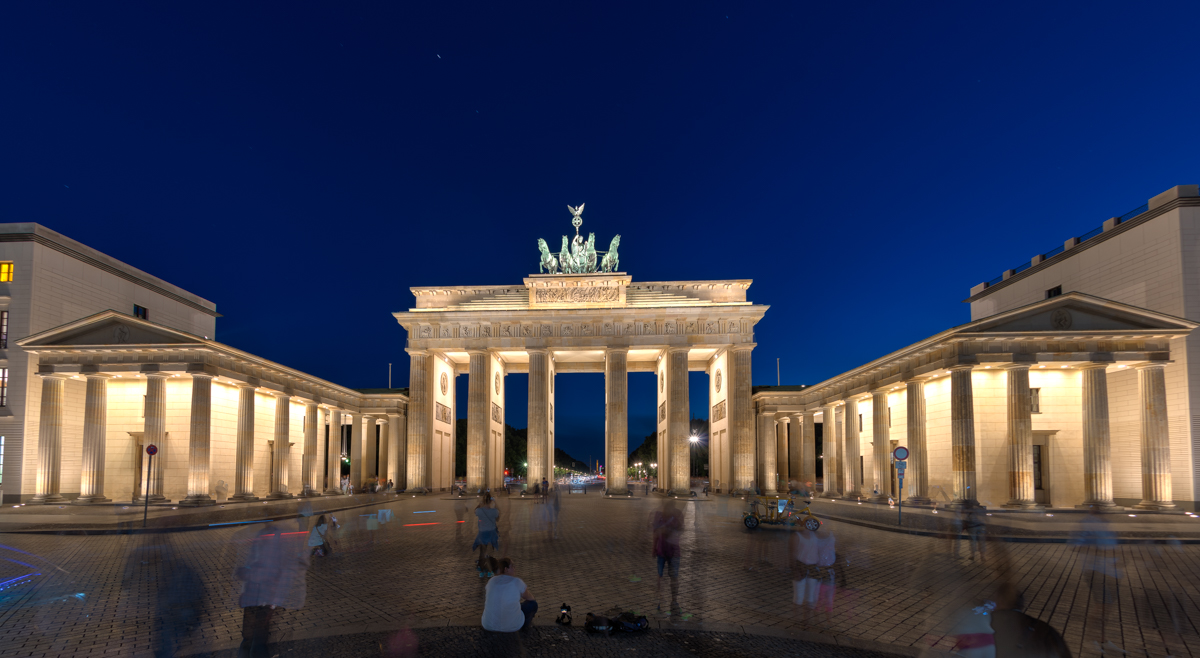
[900, 454]
[150, 450]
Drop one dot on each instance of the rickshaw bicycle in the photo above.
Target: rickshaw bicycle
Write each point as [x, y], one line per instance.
[776, 511]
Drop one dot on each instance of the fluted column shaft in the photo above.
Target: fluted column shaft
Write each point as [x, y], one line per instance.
[741, 417]
[881, 463]
[156, 432]
[384, 442]
[309, 458]
[1020, 439]
[356, 451]
[199, 441]
[1097, 450]
[397, 440]
[962, 436]
[616, 384]
[243, 468]
[333, 454]
[420, 424]
[280, 453]
[679, 421]
[768, 474]
[1156, 444]
[95, 419]
[538, 436]
[806, 429]
[918, 455]
[830, 464]
[782, 448]
[50, 431]
[477, 420]
[851, 464]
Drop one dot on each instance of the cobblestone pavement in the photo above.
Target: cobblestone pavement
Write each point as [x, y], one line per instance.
[98, 595]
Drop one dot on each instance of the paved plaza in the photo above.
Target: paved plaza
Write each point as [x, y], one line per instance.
[98, 595]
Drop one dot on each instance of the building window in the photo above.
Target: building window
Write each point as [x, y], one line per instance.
[860, 422]
[3, 330]
[3, 387]
[141, 312]
[6, 271]
[1035, 400]
[889, 416]
[1054, 292]
[1, 461]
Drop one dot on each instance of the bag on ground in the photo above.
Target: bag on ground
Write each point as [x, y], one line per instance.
[597, 624]
[628, 623]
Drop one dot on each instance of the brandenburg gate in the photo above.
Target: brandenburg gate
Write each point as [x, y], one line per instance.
[579, 314]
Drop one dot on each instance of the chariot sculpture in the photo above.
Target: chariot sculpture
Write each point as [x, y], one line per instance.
[578, 256]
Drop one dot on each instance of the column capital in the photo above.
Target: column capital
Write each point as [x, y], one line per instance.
[782, 416]
[416, 352]
[1093, 365]
[674, 349]
[616, 350]
[95, 375]
[477, 352]
[537, 350]
[742, 347]
[201, 370]
[1149, 364]
[1015, 365]
[157, 375]
[961, 366]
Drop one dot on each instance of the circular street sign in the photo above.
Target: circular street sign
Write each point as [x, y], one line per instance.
[151, 450]
[900, 453]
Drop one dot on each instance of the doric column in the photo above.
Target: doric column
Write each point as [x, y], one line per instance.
[918, 455]
[881, 464]
[370, 449]
[477, 420]
[279, 455]
[768, 474]
[199, 441]
[308, 459]
[806, 431]
[356, 450]
[538, 434]
[397, 440]
[1020, 438]
[616, 384]
[962, 436]
[1097, 451]
[50, 430]
[830, 464]
[741, 417]
[95, 419]
[679, 421]
[420, 425]
[155, 433]
[1156, 445]
[782, 447]
[384, 430]
[333, 454]
[851, 464]
[243, 468]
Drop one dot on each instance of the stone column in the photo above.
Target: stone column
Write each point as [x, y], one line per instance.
[370, 456]
[199, 441]
[679, 421]
[1020, 439]
[538, 434]
[95, 419]
[851, 464]
[243, 468]
[782, 447]
[768, 473]
[1156, 445]
[420, 429]
[918, 455]
[50, 430]
[333, 454]
[830, 465]
[384, 431]
[478, 423]
[356, 450]
[881, 445]
[962, 436]
[1097, 451]
[741, 417]
[616, 384]
[279, 456]
[308, 459]
[806, 431]
[155, 433]
[397, 440]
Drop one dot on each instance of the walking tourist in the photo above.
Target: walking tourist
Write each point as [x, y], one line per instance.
[273, 579]
[666, 525]
[508, 606]
[487, 516]
[317, 539]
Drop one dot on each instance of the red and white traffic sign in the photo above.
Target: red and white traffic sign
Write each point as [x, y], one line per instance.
[900, 453]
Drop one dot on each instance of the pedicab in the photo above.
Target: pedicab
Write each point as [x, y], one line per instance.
[776, 511]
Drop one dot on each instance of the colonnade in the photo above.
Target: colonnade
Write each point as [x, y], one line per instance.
[92, 475]
[841, 444]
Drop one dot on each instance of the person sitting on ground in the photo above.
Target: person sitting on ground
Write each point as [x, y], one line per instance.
[508, 606]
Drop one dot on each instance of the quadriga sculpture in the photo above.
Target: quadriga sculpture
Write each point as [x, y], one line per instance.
[564, 258]
[548, 262]
[610, 264]
[589, 254]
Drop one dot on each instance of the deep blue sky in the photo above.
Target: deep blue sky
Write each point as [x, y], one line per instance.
[303, 165]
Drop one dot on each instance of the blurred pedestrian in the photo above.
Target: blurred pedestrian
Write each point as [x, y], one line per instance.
[273, 579]
[1017, 635]
[666, 525]
[806, 578]
[553, 509]
[1098, 542]
[976, 529]
[176, 588]
[487, 517]
[318, 539]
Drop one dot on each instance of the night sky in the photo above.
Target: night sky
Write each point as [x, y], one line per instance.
[303, 165]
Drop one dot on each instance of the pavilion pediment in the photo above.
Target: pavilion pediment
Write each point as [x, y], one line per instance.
[109, 329]
[1075, 313]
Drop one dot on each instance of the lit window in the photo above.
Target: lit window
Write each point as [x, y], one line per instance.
[6, 271]
[3, 387]
[3, 330]
[141, 312]
[1035, 400]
